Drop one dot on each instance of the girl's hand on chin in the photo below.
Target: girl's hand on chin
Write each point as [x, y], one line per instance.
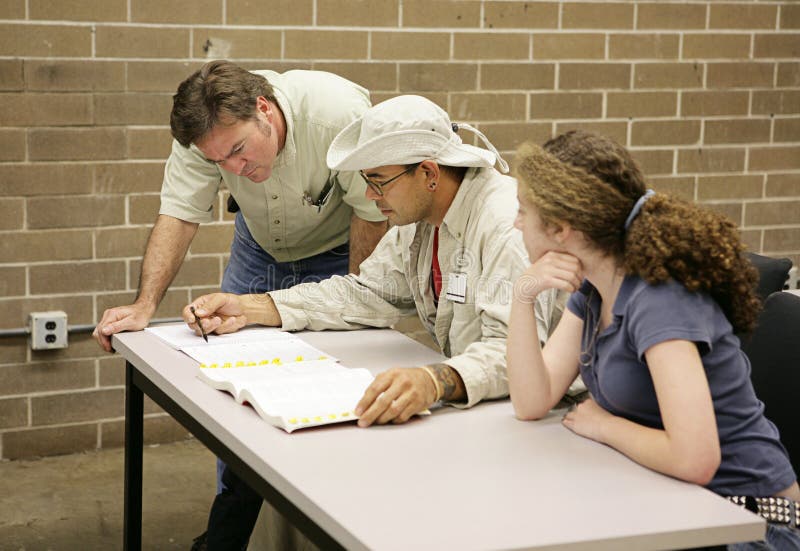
[552, 270]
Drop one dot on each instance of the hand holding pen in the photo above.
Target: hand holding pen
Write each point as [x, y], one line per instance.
[199, 324]
[221, 313]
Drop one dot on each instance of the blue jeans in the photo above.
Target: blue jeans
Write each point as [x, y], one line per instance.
[778, 538]
[251, 270]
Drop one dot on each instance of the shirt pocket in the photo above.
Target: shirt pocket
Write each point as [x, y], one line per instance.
[326, 199]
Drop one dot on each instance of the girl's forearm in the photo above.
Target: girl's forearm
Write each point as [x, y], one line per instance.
[654, 449]
[528, 379]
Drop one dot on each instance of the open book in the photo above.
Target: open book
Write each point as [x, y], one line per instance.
[288, 382]
[294, 395]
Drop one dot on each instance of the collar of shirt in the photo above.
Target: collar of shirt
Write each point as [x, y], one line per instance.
[287, 155]
[457, 216]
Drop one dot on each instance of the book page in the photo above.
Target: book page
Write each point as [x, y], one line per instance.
[179, 336]
[235, 379]
[310, 400]
[249, 354]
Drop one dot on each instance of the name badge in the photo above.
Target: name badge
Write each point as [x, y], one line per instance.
[457, 287]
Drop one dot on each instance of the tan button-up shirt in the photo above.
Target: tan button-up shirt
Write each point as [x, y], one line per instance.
[476, 239]
[316, 106]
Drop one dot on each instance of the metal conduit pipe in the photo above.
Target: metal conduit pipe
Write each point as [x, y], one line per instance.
[75, 329]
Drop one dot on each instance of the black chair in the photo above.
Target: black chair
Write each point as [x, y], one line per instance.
[774, 352]
[772, 272]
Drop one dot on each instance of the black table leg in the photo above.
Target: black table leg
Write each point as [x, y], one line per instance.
[134, 429]
[136, 386]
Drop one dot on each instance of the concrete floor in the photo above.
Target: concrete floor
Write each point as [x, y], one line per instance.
[74, 502]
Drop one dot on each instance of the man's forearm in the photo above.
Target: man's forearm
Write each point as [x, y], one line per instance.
[364, 236]
[169, 240]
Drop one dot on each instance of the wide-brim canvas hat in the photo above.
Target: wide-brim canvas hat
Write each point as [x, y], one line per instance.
[405, 130]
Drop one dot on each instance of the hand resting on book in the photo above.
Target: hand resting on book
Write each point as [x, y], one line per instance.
[395, 396]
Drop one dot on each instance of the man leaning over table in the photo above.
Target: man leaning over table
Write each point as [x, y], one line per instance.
[451, 258]
[265, 135]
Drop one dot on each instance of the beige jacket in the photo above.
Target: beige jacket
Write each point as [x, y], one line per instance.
[476, 239]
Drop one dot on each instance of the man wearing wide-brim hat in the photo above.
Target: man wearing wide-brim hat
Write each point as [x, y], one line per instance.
[451, 258]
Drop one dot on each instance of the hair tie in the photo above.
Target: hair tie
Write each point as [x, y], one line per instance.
[637, 207]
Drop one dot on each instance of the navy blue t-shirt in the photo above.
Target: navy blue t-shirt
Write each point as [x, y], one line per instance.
[613, 367]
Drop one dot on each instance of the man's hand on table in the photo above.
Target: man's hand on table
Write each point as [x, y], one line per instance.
[395, 395]
[122, 318]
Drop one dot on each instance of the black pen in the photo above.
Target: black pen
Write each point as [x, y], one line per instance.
[197, 321]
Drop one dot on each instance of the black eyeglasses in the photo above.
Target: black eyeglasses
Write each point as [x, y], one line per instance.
[377, 187]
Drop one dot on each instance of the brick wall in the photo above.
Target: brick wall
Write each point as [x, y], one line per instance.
[706, 93]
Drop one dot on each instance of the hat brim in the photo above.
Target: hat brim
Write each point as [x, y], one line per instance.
[401, 147]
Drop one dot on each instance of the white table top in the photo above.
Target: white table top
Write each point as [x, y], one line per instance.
[458, 479]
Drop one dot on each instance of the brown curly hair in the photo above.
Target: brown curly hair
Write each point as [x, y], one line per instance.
[220, 92]
[592, 183]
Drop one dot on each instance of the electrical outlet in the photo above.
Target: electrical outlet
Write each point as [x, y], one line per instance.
[48, 330]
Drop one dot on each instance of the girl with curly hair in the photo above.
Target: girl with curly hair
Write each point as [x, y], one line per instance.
[659, 287]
